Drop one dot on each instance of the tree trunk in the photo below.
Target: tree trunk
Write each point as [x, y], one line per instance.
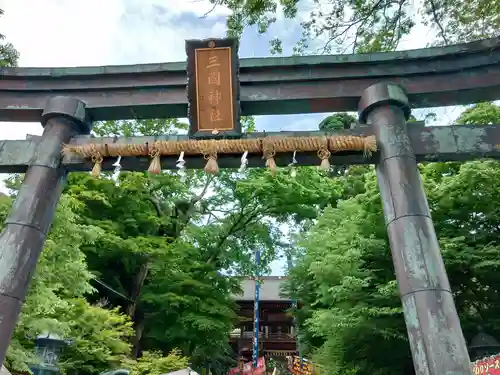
[136, 288]
[135, 293]
[136, 341]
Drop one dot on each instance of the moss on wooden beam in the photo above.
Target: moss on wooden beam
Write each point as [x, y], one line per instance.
[460, 74]
[435, 143]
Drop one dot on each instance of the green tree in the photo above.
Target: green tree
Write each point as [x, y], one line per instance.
[337, 121]
[168, 245]
[352, 315]
[165, 281]
[155, 363]
[368, 25]
[56, 301]
[8, 54]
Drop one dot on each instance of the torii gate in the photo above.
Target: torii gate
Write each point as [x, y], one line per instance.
[67, 100]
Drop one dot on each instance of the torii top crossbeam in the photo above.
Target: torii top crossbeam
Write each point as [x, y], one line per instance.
[459, 74]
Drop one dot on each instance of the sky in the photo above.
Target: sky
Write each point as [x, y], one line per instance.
[57, 33]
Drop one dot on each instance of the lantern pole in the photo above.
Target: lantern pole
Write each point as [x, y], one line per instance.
[256, 312]
[295, 306]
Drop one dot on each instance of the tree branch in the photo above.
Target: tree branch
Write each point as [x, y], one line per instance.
[156, 206]
[438, 22]
[237, 225]
[197, 198]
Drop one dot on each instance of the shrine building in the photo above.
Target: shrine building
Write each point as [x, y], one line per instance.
[277, 336]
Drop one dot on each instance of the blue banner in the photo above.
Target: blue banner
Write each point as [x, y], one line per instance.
[295, 306]
[255, 354]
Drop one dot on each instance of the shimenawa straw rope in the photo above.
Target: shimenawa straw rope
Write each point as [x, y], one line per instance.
[210, 149]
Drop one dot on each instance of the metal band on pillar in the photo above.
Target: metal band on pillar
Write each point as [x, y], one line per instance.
[23, 236]
[436, 339]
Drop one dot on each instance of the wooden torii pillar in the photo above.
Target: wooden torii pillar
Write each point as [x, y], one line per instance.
[435, 335]
[23, 237]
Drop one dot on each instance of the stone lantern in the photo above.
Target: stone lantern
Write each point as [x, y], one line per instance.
[48, 348]
[483, 345]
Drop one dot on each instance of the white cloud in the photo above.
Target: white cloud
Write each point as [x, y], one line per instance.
[53, 33]
[157, 33]
[63, 32]
[197, 7]
[59, 33]
[95, 32]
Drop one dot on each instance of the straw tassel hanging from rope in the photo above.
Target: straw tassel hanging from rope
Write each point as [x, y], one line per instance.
[370, 145]
[269, 153]
[154, 154]
[95, 153]
[267, 147]
[211, 157]
[96, 169]
[324, 155]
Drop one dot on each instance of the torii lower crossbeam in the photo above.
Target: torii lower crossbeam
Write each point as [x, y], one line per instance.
[429, 143]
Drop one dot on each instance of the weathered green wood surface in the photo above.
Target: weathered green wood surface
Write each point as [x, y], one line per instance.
[23, 235]
[460, 74]
[434, 332]
[434, 143]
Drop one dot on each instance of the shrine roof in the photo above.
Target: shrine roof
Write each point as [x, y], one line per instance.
[270, 289]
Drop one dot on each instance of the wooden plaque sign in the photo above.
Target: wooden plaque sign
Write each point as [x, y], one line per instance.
[213, 88]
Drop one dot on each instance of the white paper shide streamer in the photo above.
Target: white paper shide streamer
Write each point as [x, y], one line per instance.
[244, 163]
[116, 171]
[293, 171]
[181, 166]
